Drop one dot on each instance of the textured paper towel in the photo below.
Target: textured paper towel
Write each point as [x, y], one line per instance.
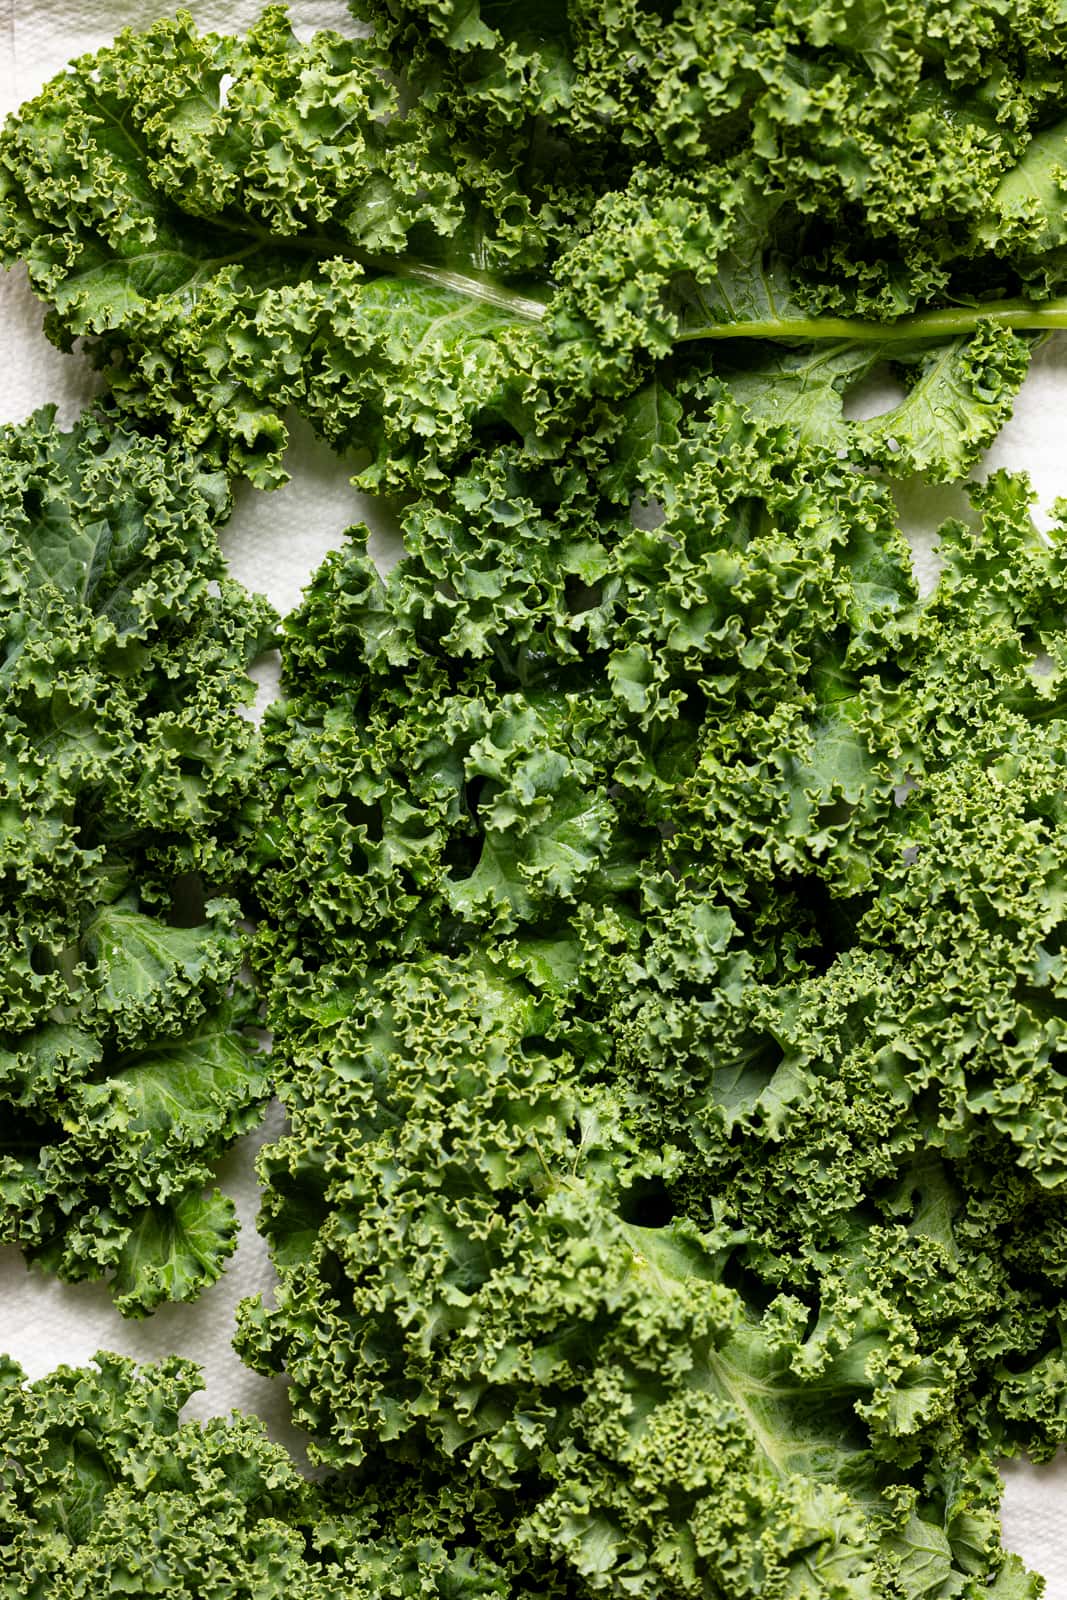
[273, 543]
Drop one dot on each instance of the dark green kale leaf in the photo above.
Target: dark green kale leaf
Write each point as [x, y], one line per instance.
[494, 736]
[657, 761]
[127, 790]
[479, 1265]
[895, 1096]
[660, 902]
[290, 239]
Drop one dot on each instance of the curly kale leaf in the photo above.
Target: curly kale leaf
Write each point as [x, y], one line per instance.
[241, 225]
[478, 1265]
[285, 242]
[708, 1226]
[105, 1491]
[842, 99]
[920, 1020]
[127, 788]
[494, 734]
[959, 395]
[659, 770]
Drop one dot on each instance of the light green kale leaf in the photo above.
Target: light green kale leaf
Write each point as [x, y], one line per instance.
[241, 225]
[105, 1491]
[959, 395]
[238, 226]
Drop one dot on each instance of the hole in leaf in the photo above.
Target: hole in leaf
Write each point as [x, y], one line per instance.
[834, 815]
[334, 1277]
[880, 391]
[647, 515]
[923, 509]
[358, 814]
[460, 854]
[646, 1204]
[826, 925]
[535, 1044]
[23, 1134]
[41, 960]
[473, 793]
[87, 818]
[580, 596]
[187, 901]
[756, 1294]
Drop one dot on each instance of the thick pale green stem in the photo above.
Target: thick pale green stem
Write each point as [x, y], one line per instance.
[947, 323]
[483, 289]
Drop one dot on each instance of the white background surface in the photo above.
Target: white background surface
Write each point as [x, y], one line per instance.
[273, 543]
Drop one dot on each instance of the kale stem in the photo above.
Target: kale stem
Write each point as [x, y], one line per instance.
[484, 289]
[943, 324]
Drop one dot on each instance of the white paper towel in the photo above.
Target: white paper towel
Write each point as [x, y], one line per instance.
[273, 543]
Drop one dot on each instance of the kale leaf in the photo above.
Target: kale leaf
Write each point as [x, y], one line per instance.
[128, 789]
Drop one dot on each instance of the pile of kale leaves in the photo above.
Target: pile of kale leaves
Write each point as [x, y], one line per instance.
[659, 906]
